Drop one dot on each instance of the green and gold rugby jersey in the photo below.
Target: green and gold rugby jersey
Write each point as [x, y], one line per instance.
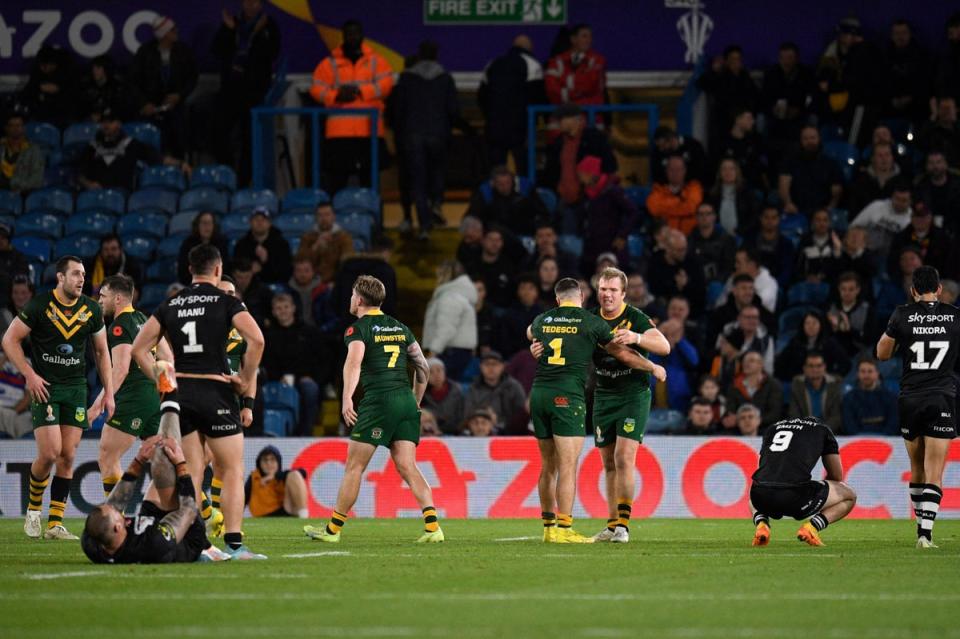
[613, 376]
[58, 336]
[384, 367]
[236, 348]
[123, 330]
[570, 335]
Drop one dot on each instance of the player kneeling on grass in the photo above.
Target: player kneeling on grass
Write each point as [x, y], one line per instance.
[783, 485]
[272, 492]
[168, 528]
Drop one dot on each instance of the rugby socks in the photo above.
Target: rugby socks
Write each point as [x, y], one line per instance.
[215, 487]
[337, 521]
[206, 510]
[59, 490]
[430, 521]
[108, 483]
[623, 511]
[37, 488]
[233, 540]
[612, 524]
[549, 519]
[564, 521]
[760, 518]
[819, 522]
[916, 496]
[929, 507]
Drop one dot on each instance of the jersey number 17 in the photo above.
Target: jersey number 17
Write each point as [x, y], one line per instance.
[920, 350]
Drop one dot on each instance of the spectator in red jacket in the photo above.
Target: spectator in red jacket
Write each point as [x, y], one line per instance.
[579, 75]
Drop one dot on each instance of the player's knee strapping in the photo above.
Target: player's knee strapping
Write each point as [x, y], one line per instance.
[929, 507]
[37, 488]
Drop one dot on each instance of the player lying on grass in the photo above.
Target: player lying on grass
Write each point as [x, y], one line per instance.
[168, 528]
[783, 485]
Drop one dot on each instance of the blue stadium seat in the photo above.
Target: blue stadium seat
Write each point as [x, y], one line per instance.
[354, 198]
[783, 339]
[235, 224]
[36, 267]
[140, 247]
[81, 245]
[91, 223]
[113, 200]
[170, 178]
[44, 134]
[54, 199]
[169, 247]
[891, 368]
[277, 423]
[844, 154]
[665, 421]
[304, 199]
[520, 184]
[549, 199]
[638, 195]
[50, 271]
[58, 176]
[807, 293]
[151, 296]
[832, 133]
[182, 223]
[359, 225]
[571, 244]
[635, 245]
[218, 176]
[793, 226]
[280, 396]
[529, 244]
[294, 243]
[246, 200]
[153, 199]
[296, 224]
[9, 220]
[147, 224]
[714, 291]
[144, 132]
[77, 137]
[36, 248]
[40, 225]
[790, 318]
[10, 203]
[839, 220]
[888, 296]
[162, 271]
[205, 198]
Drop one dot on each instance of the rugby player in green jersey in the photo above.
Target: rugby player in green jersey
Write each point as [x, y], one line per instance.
[379, 349]
[58, 325]
[569, 335]
[137, 399]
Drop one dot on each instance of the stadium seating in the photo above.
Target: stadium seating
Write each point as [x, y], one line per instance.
[144, 132]
[10, 221]
[840, 220]
[793, 226]
[714, 291]
[40, 225]
[140, 247]
[529, 244]
[296, 224]
[205, 198]
[638, 195]
[169, 247]
[170, 178]
[549, 199]
[246, 200]
[146, 224]
[10, 203]
[665, 421]
[182, 222]
[112, 200]
[294, 243]
[844, 154]
[359, 225]
[77, 137]
[35, 248]
[43, 134]
[303, 200]
[277, 423]
[218, 176]
[888, 296]
[162, 271]
[279, 396]
[152, 296]
[635, 245]
[235, 224]
[81, 245]
[790, 318]
[572, 244]
[52, 199]
[783, 339]
[354, 198]
[153, 199]
[91, 223]
[815, 293]
[891, 368]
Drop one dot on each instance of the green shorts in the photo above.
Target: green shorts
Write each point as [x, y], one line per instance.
[66, 406]
[132, 423]
[555, 413]
[384, 419]
[620, 415]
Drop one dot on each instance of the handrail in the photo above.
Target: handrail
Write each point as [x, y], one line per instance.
[689, 99]
[653, 121]
[257, 141]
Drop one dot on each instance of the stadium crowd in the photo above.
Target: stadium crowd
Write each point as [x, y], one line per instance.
[769, 254]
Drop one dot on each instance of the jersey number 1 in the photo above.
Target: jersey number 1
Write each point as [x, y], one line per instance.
[190, 329]
[920, 349]
[557, 345]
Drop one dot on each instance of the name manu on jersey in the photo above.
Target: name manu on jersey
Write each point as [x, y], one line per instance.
[928, 330]
[388, 338]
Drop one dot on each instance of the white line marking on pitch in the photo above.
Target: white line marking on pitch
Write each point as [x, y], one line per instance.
[325, 553]
[516, 538]
[64, 575]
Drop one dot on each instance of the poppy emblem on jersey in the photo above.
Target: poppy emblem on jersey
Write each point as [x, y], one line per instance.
[135, 423]
[50, 416]
[349, 331]
[629, 424]
[80, 414]
[117, 331]
[561, 402]
[64, 349]
[376, 433]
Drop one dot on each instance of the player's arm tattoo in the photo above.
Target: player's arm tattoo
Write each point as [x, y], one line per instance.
[421, 370]
[161, 470]
[123, 491]
[183, 517]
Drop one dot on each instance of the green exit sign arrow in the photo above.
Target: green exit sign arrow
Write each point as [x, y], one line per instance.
[467, 12]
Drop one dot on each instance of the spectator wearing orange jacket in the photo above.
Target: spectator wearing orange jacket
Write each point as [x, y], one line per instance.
[352, 77]
[578, 75]
[677, 200]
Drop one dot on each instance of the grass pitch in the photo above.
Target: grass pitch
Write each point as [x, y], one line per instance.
[676, 578]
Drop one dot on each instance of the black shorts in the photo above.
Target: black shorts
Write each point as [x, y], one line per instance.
[207, 407]
[187, 550]
[799, 502]
[927, 415]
